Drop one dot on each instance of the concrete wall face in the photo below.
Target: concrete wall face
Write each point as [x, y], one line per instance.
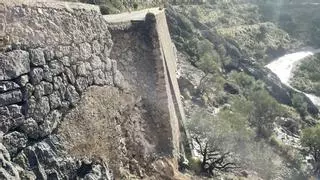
[140, 60]
[50, 56]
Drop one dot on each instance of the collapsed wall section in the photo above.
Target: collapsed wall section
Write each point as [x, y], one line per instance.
[151, 71]
[139, 61]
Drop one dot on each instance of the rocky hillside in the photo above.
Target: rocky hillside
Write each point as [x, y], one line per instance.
[299, 18]
[222, 50]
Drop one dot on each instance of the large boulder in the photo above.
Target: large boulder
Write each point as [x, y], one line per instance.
[48, 160]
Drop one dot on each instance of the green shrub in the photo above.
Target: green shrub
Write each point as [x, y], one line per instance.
[195, 165]
[135, 6]
[242, 79]
[247, 83]
[104, 10]
[221, 50]
[306, 76]
[265, 130]
[117, 4]
[274, 142]
[265, 110]
[186, 24]
[194, 12]
[311, 140]
[208, 63]
[300, 104]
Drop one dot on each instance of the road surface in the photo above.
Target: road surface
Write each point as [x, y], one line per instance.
[284, 66]
[131, 16]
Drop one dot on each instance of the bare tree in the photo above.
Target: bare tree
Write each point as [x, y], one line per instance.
[208, 143]
[212, 157]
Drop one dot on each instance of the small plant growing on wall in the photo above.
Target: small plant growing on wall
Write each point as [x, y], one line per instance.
[135, 6]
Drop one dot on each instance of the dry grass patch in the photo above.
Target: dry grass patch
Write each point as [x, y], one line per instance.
[93, 128]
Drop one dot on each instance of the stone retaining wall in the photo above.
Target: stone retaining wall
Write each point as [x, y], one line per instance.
[49, 57]
[50, 54]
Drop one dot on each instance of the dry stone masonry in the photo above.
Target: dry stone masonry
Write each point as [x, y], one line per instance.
[52, 56]
[48, 65]
[49, 58]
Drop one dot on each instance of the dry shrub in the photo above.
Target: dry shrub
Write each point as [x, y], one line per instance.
[92, 129]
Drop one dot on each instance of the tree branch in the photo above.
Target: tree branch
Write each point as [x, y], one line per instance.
[199, 143]
[227, 166]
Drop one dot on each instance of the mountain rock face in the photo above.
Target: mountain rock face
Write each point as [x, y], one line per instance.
[75, 97]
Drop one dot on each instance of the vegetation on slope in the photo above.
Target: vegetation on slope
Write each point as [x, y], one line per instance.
[240, 24]
[216, 37]
[311, 140]
[307, 76]
[299, 18]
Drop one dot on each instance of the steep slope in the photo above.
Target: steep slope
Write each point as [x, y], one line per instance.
[299, 18]
[222, 50]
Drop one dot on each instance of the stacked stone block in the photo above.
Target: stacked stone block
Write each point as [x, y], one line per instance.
[48, 58]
